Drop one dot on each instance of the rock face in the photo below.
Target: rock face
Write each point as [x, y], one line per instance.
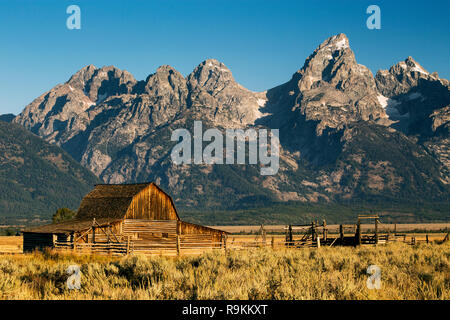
[334, 89]
[413, 95]
[419, 103]
[329, 92]
[333, 116]
[212, 85]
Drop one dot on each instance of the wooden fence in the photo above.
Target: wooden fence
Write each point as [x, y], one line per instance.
[189, 244]
[112, 248]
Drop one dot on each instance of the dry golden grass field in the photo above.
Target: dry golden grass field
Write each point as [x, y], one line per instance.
[11, 244]
[407, 272]
[421, 271]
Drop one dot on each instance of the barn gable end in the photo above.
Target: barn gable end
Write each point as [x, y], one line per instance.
[151, 203]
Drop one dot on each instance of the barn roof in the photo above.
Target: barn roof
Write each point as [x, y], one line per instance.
[107, 203]
[71, 226]
[112, 200]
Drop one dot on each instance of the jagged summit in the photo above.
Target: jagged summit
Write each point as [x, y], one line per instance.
[412, 66]
[420, 103]
[84, 74]
[212, 75]
[337, 42]
[334, 89]
[165, 73]
[404, 75]
[99, 83]
[332, 62]
[407, 65]
[212, 64]
[166, 68]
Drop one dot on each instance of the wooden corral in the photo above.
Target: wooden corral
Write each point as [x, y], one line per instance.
[315, 235]
[124, 219]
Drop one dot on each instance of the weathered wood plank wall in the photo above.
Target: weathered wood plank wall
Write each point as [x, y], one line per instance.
[131, 227]
[152, 204]
[187, 228]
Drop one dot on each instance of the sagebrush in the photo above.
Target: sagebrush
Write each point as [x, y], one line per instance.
[407, 272]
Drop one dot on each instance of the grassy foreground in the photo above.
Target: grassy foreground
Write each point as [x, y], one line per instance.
[419, 272]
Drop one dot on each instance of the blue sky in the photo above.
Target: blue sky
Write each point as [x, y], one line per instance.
[262, 42]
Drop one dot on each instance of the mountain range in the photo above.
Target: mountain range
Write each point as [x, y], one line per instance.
[346, 135]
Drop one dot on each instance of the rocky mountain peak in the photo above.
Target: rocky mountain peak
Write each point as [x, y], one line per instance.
[213, 86]
[98, 84]
[211, 75]
[417, 98]
[167, 69]
[337, 42]
[409, 67]
[331, 62]
[334, 89]
[212, 65]
[81, 77]
[402, 77]
[412, 66]
[166, 80]
[164, 74]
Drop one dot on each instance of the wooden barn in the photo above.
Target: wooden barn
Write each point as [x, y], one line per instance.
[123, 219]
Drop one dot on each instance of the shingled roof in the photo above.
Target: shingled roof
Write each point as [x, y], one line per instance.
[108, 200]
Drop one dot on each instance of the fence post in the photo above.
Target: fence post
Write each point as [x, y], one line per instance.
[427, 238]
[325, 230]
[263, 235]
[358, 233]
[289, 238]
[178, 245]
[376, 231]
[128, 245]
[272, 242]
[341, 233]
[225, 244]
[93, 234]
[72, 240]
[318, 242]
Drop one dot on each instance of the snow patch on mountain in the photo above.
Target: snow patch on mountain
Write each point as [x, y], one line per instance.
[389, 105]
[342, 44]
[261, 102]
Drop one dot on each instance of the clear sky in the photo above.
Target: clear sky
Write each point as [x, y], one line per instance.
[262, 42]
